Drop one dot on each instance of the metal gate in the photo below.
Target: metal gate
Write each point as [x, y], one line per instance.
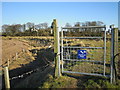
[83, 50]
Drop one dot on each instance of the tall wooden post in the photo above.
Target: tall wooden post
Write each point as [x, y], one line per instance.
[56, 49]
[114, 52]
[6, 76]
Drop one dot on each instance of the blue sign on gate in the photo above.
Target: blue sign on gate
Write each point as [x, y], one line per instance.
[82, 54]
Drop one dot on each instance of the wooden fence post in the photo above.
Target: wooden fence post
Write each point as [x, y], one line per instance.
[8, 63]
[114, 52]
[6, 76]
[56, 49]
[23, 50]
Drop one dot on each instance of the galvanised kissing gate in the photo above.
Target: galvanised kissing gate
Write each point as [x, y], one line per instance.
[83, 50]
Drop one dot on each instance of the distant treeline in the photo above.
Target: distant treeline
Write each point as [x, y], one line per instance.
[28, 29]
[42, 29]
[41, 32]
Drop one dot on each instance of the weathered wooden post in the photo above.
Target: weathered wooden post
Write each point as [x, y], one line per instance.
[56, 48]
[8, 63]
[6, 76]
[23, 50]
[114, 52]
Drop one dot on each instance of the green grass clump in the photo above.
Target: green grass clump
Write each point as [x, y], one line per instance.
[109, 85]
[61, 82]
[100, 84]
[91, 84]
[70, 82]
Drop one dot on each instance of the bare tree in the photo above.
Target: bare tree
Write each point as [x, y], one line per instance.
[30, 26]
[44, 25]
[68, 25]
[4, 27]
[77, 24]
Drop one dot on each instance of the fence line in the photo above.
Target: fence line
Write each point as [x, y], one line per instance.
[7, 79]
[48, 63]
[30, 72]
[14, 58]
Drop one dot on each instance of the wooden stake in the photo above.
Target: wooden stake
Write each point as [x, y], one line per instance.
[23, 50]
[6, 76]
[8, 63]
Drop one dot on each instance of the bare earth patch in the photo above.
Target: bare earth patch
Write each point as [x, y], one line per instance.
[10, 47]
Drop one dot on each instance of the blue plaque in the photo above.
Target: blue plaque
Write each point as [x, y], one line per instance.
[82, 54]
